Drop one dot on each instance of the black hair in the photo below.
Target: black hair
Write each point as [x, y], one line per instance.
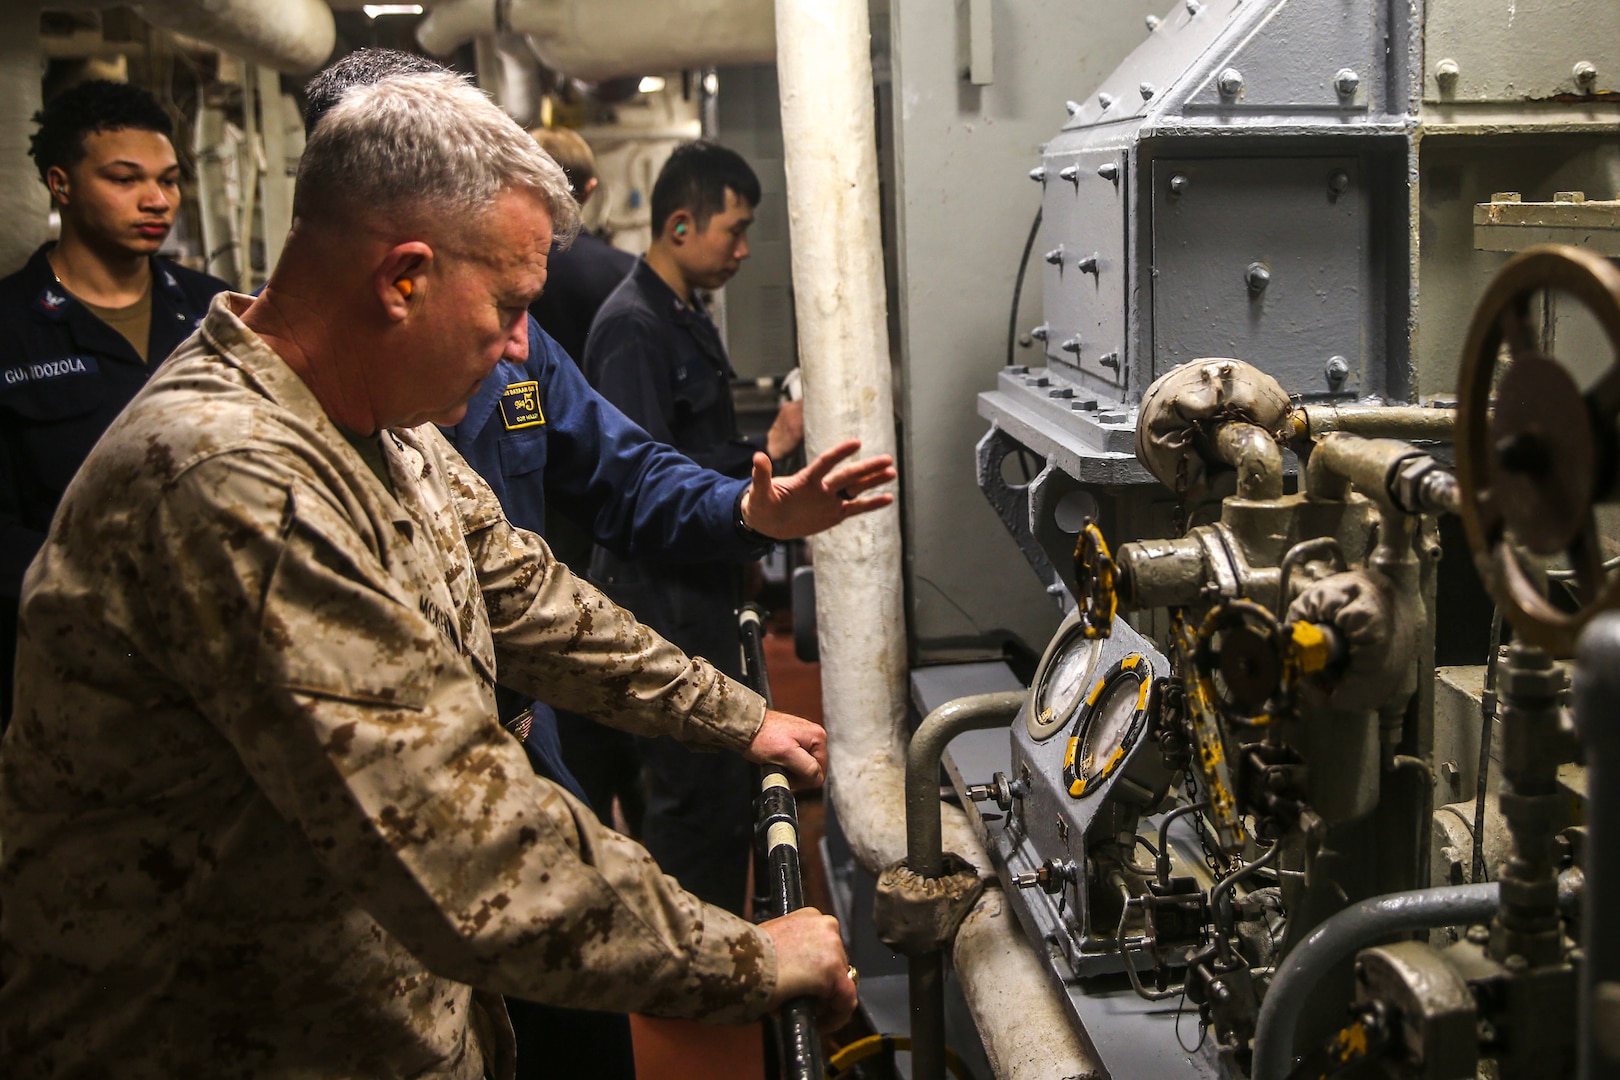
[695, 178]
[85, 109]
[360, 68]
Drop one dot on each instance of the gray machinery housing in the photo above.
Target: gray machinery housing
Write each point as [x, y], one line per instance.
[1320, 189]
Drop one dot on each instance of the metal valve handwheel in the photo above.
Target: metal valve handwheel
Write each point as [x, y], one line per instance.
[1532, 469]
[1241, 642]
[1094, 575]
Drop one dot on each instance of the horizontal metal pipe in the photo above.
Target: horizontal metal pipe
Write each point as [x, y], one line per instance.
[1420, 422]
[1341, 936]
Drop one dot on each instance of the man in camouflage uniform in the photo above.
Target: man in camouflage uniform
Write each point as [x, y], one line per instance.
[259, 817]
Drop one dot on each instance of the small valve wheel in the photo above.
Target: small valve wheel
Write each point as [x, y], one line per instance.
[1095, 574]
[1241, 643]
[1535, 452]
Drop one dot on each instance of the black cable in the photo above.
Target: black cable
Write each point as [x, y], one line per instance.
[1018, 286]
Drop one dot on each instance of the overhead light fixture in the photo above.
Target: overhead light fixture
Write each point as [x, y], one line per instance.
[374, 10]
[651, 84]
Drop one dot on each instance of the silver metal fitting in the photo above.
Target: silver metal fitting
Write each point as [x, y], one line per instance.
[1230, 82]
[1346, 82]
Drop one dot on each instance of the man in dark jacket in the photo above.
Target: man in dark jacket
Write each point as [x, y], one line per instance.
[579, 276]
[655, 354]
[89, 317]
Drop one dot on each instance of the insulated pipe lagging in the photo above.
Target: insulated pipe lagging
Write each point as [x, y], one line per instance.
[925, 973]
[602, 39]
[829, 134]
[1341, 936]
[292, 36]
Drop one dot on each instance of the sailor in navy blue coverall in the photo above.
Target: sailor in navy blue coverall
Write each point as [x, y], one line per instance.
[537, 432]
[64, 376]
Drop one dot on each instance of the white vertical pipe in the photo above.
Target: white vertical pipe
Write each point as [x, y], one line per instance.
[824, 65]
[23, 205]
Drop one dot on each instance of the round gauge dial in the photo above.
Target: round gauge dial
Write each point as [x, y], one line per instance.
[1062, 683]
[1112, 721]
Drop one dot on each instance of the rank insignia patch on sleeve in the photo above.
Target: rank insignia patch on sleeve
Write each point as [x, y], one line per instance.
[520, 406]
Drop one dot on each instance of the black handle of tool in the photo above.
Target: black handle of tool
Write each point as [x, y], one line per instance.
[779, 887]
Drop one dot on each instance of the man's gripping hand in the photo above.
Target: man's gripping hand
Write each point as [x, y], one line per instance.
[810, 961]
[796, 744]
[818, 496]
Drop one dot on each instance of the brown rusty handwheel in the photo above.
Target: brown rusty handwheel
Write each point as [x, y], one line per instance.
[1532, 471]
[1094, 575]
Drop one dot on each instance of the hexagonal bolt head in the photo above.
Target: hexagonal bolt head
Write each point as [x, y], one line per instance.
[1346, 82]
[1055, 256]
[1194, 7]
[1147, 90]
[1071, 173]
[1179, 184]
[1105, 100]
[1257, 277]
[1040, 332]
[1072, 106]
[1071, 345]
[1038, 174]
[1153, 22]
[1088, 263]
[1336, 370]
[1586, 74]
[1446, 72]
[1230, 82]
[1338, 182]
[1108, 170]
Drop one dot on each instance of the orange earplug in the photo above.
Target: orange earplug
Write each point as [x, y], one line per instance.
[404, 286]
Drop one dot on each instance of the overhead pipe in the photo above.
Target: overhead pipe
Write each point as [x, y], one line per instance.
[602, 39]
[292, 36]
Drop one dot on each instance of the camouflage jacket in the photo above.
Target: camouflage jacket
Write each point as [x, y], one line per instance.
[258, 816]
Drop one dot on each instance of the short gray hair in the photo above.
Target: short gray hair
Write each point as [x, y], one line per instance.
[428, 142]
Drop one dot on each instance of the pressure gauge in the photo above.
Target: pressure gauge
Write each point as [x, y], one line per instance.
[1062, 683]
[1109, 725]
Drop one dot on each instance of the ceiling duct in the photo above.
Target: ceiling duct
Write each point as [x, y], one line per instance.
[600, 39]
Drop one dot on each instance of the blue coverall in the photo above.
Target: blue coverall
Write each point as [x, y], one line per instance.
[538, 433]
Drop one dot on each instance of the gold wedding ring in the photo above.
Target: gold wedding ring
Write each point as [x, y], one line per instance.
[854, 976]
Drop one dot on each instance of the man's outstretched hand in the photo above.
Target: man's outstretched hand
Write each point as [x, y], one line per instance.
[818, 496]
[796, 744]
